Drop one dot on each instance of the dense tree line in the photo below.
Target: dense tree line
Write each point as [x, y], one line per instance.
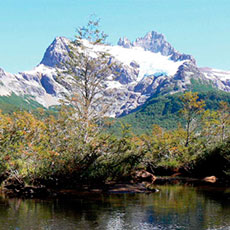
[56, 151]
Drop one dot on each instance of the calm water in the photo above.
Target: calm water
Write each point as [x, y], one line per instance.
[174, 207]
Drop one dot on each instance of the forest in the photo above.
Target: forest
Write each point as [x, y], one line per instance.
[76, 146]
[67, 151]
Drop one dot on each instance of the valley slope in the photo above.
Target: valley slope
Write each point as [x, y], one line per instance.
[147, 70]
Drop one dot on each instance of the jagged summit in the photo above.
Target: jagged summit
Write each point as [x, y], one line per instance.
[125, 42]
[55, 53]
[156, 43]
[2, 72]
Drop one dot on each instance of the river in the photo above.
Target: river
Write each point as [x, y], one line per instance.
[173, 207]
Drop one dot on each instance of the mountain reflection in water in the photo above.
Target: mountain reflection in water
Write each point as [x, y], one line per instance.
[174, 207]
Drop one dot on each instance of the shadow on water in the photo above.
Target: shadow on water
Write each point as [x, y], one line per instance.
[174, 207]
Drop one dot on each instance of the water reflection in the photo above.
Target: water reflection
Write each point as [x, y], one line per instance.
[174, 207]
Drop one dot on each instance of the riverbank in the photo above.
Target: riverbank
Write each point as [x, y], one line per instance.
[25, 191]
[109, 188]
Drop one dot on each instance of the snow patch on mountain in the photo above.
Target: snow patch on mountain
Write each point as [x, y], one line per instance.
[35, 83]
[220, 78]
[150, 63]
[40, 69]
[216, 73]
[4, 91]
[149, 66]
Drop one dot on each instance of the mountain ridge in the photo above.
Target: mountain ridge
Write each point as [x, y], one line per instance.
[148, 66]
[156, 42]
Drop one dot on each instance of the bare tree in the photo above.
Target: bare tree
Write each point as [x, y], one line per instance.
[87, 68]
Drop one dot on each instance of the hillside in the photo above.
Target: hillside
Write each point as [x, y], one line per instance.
[148, 72]
[164, 111]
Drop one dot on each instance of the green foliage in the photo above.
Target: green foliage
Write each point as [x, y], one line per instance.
[62, 151]
[199, 86]
[14, 103]
[121, 156]
[57, 152]
[68, 146]
[192, 110]
[9, 104]
[215, 160]
[164, 111]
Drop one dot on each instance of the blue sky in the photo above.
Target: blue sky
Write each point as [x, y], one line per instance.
[197, 27]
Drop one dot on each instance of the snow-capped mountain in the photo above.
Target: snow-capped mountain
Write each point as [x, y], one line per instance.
[148, 66]
[220, 78]
[38, 83]
[156, 43]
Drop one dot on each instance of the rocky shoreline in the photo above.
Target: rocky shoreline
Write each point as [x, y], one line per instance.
[110, 188]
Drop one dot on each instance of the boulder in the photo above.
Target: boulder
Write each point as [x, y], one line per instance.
[210, 179]
[143, 175]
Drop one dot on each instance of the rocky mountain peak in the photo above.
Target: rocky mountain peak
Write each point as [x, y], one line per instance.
[153, 35]
[2, 72]
[156, 43]
[136, 77]
[125, 42]
[55, 53]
